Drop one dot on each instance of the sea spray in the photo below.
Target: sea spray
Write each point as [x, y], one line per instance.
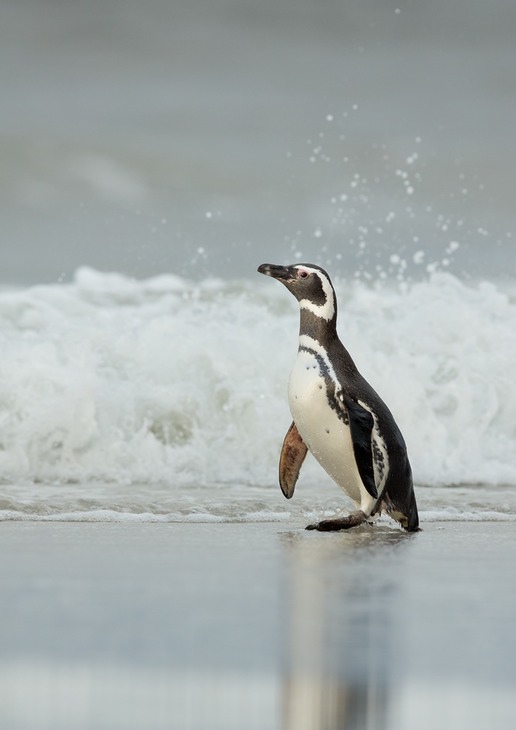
[110, 379]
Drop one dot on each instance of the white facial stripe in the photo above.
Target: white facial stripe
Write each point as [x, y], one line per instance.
[326, 310]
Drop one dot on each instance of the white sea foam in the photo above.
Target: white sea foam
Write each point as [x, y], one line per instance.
[126, 382]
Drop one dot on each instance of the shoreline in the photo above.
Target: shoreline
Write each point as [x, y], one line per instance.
[189, 625]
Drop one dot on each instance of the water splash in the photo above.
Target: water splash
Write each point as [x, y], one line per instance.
[122, 381]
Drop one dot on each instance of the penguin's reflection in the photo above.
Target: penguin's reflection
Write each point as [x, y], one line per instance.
[340, 644]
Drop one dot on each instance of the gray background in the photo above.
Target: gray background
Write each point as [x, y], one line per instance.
[202, 137]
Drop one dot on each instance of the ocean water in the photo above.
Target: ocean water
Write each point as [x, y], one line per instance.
[165, 399]
[154, 154]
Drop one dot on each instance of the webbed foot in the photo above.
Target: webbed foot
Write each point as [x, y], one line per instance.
[339, 523]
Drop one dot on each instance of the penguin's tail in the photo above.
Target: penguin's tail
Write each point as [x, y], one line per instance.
[410, 518]
[403, 511]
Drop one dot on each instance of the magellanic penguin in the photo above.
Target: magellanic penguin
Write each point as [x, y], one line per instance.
[338, 416]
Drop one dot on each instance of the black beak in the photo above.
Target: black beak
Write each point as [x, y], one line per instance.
[277, 272]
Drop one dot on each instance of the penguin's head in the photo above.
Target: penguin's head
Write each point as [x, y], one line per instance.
[310, 284]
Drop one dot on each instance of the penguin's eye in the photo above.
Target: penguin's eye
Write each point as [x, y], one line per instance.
[303, 274]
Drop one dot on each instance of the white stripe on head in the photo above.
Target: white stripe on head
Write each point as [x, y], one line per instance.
[327, 310]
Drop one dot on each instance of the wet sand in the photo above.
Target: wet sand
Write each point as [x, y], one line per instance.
[256, 626]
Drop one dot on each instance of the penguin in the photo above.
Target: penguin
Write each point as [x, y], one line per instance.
[338, 416]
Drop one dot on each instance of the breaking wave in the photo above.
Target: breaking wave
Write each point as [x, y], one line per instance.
[119, 381]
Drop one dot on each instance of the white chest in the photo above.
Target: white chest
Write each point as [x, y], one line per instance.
[327, 436]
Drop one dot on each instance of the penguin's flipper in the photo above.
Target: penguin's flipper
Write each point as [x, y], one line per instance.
[361, 424]
[293, 454]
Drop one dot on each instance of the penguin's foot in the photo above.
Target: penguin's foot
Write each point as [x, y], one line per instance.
[339, 523]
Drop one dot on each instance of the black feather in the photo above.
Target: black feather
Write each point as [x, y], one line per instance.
[361, 424]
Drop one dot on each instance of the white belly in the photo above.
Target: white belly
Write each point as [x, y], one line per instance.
[326, 435]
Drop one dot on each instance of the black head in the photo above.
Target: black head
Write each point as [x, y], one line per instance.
[310, 284]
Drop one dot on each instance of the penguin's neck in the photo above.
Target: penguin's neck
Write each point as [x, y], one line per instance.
[323, 331]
